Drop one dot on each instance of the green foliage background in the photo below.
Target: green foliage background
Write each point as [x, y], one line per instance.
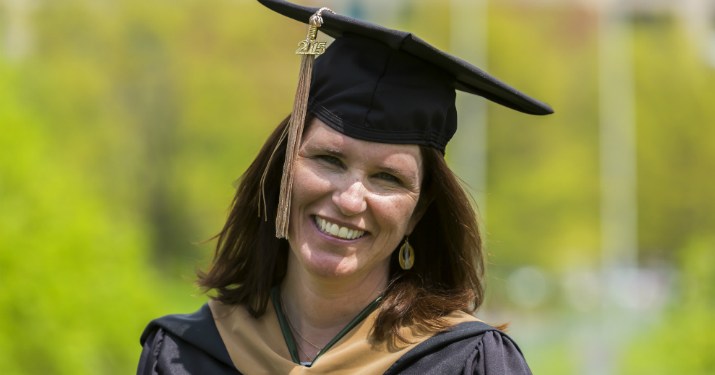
[124, 127]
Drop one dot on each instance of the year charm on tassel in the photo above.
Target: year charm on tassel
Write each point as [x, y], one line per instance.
[310, 46]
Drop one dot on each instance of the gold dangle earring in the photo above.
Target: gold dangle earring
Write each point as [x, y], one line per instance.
[406, 255]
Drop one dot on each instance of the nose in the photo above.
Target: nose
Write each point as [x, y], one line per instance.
[351, 199]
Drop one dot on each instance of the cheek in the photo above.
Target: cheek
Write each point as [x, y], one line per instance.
[398, 213]
[307, 185]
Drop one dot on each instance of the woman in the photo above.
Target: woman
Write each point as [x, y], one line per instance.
[350, 246]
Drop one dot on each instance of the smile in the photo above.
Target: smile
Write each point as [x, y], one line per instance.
[337, 231]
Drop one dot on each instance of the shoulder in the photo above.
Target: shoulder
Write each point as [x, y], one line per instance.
[184, 343]
[467, 348]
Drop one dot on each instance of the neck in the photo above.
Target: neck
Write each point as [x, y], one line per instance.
[319, 307]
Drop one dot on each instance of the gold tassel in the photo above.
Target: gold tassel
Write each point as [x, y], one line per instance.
[309, 48]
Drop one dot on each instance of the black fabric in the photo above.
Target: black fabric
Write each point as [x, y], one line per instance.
[465, 76]
[191, 344]
[383, 95]
[468, 348]
[184, 344]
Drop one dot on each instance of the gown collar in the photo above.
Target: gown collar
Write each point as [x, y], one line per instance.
[288, 333]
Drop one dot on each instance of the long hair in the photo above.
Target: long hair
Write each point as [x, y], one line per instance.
[448, 271]
[447, 275]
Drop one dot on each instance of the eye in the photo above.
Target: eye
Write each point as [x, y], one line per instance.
[330, 159]
[389, 178]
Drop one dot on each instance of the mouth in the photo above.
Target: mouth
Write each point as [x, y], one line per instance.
[336, 230]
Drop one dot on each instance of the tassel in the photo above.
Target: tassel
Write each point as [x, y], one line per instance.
[309, 48]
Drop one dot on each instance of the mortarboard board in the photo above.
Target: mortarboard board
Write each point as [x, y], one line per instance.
[380, 85]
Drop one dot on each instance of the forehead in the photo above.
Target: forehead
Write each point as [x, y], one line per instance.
[318, 134]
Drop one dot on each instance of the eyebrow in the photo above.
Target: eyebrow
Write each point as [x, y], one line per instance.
[327, 149]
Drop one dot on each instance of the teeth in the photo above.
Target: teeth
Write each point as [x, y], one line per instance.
[338, 231]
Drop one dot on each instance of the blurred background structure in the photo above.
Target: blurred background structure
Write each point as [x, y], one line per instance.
[123, 125]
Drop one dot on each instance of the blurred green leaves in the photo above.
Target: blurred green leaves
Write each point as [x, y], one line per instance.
[682, 340]
[69, 263]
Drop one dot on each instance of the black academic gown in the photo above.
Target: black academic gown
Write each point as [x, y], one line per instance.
[191, 344]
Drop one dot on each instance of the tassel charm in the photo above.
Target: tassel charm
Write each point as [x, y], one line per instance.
[308, 49]
[310, 46]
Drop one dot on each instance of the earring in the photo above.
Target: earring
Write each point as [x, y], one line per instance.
[406, 255]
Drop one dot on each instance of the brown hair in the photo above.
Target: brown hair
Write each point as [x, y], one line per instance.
[448, 271]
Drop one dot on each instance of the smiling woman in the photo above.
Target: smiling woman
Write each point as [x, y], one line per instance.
[342, 186]
[342, 290]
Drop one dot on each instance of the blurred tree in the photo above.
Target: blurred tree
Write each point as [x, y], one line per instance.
[73, 272]
[675, 117]
[682, 341]
[543, 172]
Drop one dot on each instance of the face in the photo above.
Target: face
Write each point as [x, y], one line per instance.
[353, 202]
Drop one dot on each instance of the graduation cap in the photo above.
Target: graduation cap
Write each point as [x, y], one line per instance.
[381, 85]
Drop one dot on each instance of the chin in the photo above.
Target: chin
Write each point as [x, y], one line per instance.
[329, 265]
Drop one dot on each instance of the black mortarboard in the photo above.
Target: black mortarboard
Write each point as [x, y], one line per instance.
[382, 85]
